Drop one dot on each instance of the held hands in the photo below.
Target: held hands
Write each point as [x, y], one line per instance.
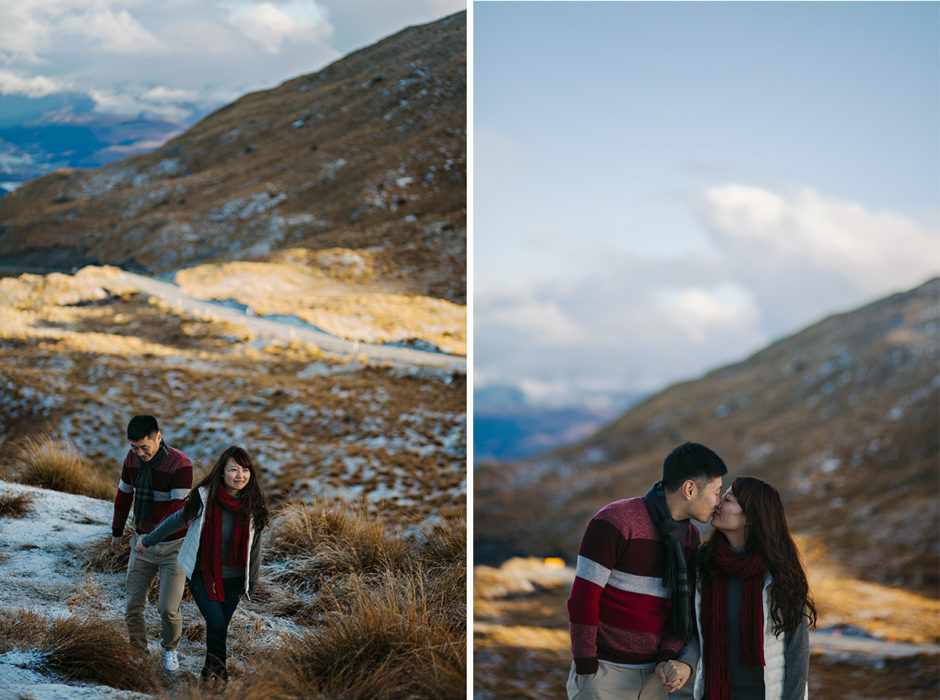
[673, 674]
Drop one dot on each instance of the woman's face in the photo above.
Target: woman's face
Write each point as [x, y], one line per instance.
[235, 477]
[728, 516]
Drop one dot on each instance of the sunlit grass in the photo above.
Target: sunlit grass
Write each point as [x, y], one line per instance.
[57, 465]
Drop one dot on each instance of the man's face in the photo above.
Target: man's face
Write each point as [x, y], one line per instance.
[147, 447]
[706, 500]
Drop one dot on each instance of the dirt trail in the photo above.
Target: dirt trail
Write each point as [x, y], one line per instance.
[827, 643]
[386, 353]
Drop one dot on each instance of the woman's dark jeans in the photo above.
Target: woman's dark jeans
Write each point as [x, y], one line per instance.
[217, 614]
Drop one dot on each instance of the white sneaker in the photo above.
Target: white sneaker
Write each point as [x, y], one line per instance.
[171, 660]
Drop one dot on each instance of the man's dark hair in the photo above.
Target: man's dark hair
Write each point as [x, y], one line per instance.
[690, 461]
[141, 427]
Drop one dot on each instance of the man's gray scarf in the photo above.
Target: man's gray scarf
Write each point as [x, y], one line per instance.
[675, 575]
[143, 489]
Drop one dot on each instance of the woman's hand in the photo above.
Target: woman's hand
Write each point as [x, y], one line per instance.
[673, 674]
[140, 546]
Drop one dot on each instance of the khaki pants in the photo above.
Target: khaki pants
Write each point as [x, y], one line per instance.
[141, 568]
[616, 683]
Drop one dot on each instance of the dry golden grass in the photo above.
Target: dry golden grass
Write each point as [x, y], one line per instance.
[885, 612]
[96, 651]
[99, 557]
[57, 465]
[329, 539]
[445, 543]
[385, 639]
[87, 595]
[336, 297]
[387, 612]
[15, 505]
[21, 629]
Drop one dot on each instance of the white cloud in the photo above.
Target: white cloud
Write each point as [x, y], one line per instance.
[630, 323]
[803, 254]
[110, 30]
[119, 103]
[12, 83]
[24, 30]
[540, 320]
[701, 313]
[166, 94]
[270, 26]
[31, 28]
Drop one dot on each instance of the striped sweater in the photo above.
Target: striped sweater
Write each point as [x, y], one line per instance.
[619, 609]
[172, 481]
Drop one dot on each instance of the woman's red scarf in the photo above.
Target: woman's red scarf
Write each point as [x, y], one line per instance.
[749, 568]
[210, 545]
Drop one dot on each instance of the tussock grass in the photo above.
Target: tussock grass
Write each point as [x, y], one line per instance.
[385, 639]
[22, 629]
[99, 557]
[96, 651]
[57, 465]
[15, 505]
[79, 648]
[387, 611]
[445, 543]
[329, 540]
[87, 595]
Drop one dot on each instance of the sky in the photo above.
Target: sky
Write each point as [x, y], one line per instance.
[660, 189]
[177, 59]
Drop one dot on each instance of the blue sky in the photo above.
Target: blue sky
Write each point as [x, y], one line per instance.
[660, 188]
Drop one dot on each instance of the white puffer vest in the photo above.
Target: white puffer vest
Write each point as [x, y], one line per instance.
[773, 652]
[189, 550]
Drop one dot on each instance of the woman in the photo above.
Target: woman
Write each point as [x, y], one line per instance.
[752, 601]
[221, 552]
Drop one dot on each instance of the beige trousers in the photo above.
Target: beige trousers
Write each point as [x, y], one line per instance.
[616, 683]
[141, 569]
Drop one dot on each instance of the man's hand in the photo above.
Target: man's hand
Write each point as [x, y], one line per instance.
[581, 678]
[673, 674]
[116, 546]
[140, 546]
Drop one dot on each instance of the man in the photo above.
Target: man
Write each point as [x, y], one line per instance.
[156, 478]
[630, 610]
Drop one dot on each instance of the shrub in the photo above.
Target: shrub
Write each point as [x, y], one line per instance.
[96, 651]
[54, 465]
[15, 505]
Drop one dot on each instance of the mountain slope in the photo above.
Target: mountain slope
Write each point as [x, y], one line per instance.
[367, 154]
[841, 417]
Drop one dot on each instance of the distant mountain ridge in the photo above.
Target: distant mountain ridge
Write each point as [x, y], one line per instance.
[368, 153]
[842, 417]
[33, 148]
[506, 426]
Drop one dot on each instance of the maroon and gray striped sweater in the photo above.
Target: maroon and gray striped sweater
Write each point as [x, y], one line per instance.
[172, 481]
[619, 609]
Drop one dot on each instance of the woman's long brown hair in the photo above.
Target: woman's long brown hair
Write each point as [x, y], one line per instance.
[252, 495]
[767, 532]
